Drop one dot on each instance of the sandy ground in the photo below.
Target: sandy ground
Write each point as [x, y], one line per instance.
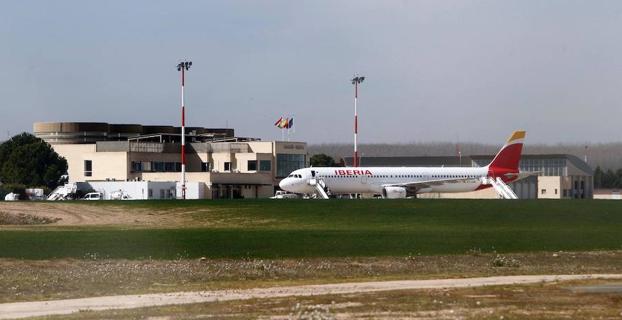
[73, 214]
[60, 307]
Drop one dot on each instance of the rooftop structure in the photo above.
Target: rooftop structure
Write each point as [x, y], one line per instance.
[91, 132]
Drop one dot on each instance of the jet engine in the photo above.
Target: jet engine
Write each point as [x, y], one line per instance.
[394, 192]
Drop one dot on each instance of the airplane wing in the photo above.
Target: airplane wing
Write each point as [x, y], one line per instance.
[416, 185]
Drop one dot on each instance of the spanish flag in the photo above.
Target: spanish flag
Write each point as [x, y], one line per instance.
[278, 122]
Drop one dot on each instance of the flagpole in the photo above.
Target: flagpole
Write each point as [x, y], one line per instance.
[282, 130]
[291, 124]
[288, 129]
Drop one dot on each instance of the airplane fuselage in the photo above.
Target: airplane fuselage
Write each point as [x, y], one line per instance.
[394, 182]
[372, 180]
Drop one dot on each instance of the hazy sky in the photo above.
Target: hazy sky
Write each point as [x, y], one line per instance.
[436, 70]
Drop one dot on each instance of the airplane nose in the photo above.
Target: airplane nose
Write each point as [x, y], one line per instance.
[283, 184]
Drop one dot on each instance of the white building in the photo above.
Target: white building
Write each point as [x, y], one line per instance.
[223, 165]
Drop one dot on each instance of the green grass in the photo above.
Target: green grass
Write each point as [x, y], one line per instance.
[273, 229]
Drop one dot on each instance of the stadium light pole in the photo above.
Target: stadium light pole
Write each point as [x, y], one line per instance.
[183, 67]
[356, 81]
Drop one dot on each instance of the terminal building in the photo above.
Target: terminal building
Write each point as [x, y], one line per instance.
[218, 163]
[555, 176]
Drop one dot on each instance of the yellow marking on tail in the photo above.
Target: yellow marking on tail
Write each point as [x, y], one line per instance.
[516, 135]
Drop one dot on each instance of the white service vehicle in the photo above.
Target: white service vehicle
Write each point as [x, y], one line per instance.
[93, 196]
[11, 197]
[284, 195]
[395, 182]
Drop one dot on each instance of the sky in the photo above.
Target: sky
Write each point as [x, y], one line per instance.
[435, 70]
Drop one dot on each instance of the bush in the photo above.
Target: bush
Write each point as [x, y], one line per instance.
[503, 261]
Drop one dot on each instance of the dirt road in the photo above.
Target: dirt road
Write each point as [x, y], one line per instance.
[59, 307]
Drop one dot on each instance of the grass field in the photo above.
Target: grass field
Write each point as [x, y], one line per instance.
[336, 228]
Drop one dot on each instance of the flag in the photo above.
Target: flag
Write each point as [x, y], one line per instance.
[290, 123]
[278, 122]
[283, 124]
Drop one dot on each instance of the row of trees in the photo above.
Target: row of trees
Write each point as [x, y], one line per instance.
[324, 160]
[27, 161]
[608, 179]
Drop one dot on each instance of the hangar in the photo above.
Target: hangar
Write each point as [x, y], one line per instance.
[226, 166]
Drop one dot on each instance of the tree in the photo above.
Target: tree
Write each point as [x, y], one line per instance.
[30, 161]
[609, 179]
[322, 160]
[598, 177]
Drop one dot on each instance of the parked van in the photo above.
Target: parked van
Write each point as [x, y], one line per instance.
[93, 196]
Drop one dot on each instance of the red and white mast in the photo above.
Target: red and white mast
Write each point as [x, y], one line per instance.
[356, 81]
[183, 67]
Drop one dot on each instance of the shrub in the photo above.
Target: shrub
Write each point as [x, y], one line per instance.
[503, 261]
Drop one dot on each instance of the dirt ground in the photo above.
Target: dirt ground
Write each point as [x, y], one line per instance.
[73, 214]
[46, 308]
[28, 280]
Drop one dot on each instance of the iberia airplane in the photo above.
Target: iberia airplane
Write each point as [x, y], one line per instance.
[402, 182]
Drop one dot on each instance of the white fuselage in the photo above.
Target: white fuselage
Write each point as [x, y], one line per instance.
[372, 180]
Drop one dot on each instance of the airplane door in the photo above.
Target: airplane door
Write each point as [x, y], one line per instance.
[364, 179]
[312, 173]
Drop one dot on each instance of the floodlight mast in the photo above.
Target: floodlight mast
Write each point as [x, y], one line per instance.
[183, 67]
[356, 81]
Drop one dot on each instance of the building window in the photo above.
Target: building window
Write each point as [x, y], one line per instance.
[88, 168]
[205, 166]
[169, 166]
[252, 165]
[227, 166]
[286, 163]
[265, 165]
[158, 166]
[543, 191]
[555, 191]
[137, 166]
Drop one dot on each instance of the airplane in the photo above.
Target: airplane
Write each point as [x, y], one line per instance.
[404, 182]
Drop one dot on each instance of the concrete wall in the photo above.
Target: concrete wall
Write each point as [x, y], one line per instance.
[608, 194]
[550, 187]
[106, 165]
[488, 193]
[136, 190]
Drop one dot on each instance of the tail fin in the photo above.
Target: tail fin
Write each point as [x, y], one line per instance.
[506, 161]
